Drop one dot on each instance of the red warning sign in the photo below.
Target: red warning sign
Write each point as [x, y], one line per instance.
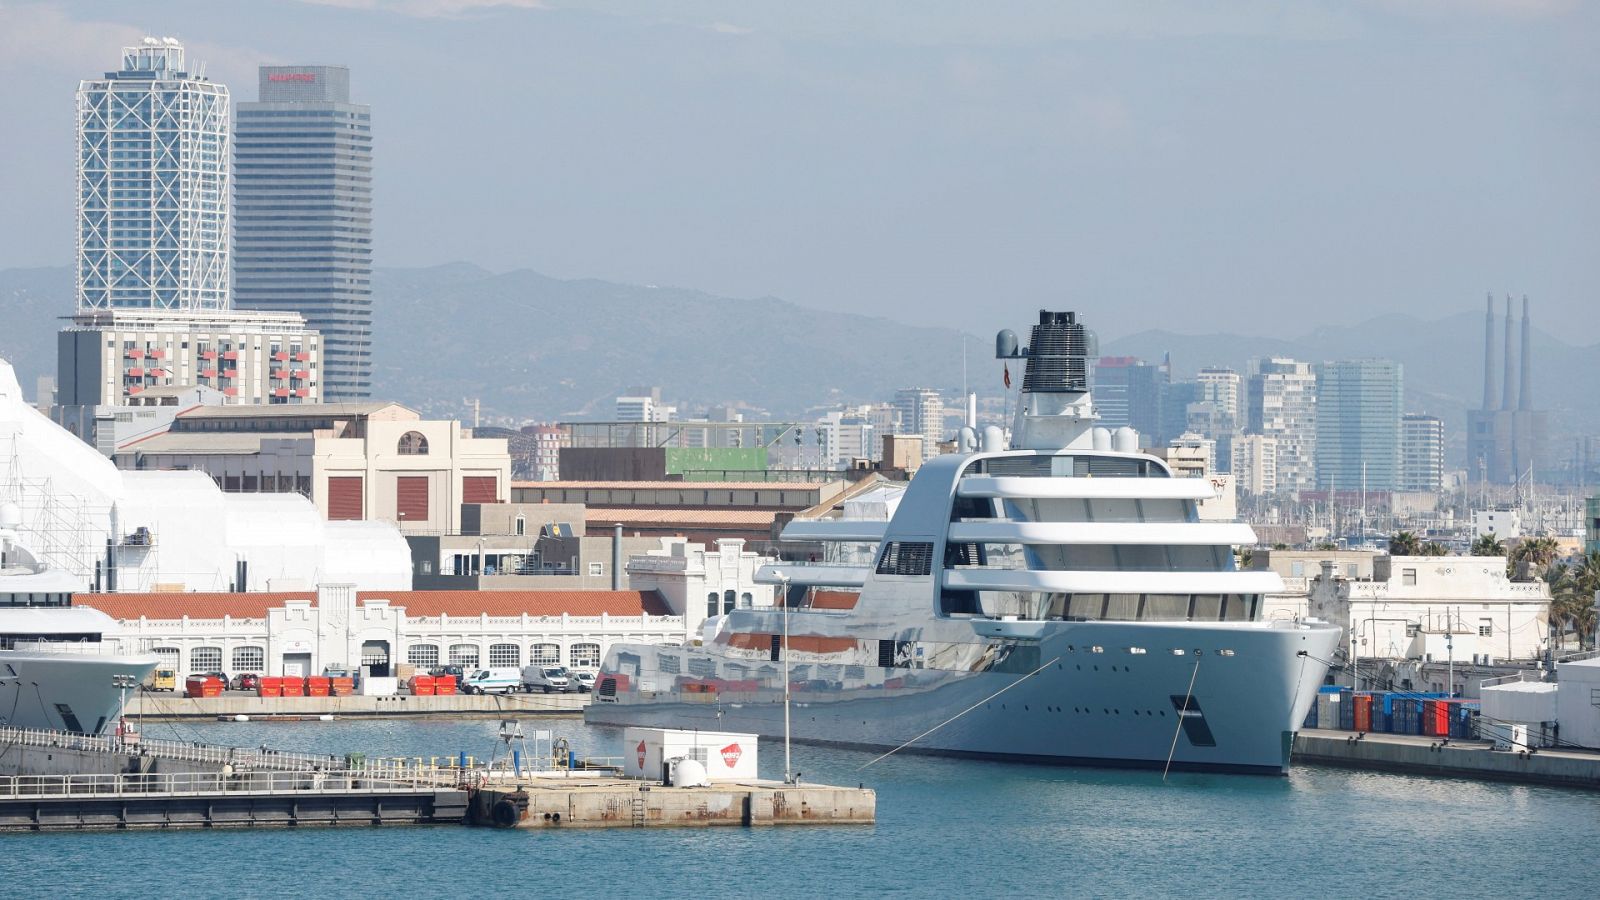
[641, 754]
[730, 755]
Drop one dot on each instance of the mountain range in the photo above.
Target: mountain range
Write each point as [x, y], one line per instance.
[527, 346]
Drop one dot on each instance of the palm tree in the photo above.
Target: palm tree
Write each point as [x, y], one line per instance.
[1531, 557]
[1405, 543]
[1434, 548]
[1572, 591]
[1488, 545]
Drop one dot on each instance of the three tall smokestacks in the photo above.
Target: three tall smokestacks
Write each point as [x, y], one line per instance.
[1509, 397]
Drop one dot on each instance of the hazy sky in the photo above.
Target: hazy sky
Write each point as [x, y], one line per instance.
[1260, 167]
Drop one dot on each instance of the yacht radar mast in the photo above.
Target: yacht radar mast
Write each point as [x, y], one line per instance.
[1055, 411]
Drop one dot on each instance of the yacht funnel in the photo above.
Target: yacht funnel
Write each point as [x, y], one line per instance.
[1058, 356]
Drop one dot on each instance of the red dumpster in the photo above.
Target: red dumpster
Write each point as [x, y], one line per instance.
[203, 686]
[342, 687]
[317, 686]
[421, 685]
[444, 685]
[270, 686]
[294, 686]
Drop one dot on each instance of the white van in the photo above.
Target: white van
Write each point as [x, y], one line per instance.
[492, 681]
[545, 678]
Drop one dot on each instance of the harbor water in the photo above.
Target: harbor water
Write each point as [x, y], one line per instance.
[946, 828]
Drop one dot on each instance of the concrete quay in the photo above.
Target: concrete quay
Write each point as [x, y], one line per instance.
[589, 802]
[1454, 759]
[160, 706]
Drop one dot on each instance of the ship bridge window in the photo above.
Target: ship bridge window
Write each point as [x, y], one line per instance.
[906, 558]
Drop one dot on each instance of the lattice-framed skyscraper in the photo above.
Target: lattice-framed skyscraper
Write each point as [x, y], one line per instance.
[153, 204]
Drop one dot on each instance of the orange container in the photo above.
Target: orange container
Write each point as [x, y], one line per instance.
[317, 686]
[343, 687]
[294, 686]
[444, 685]
[1363, 712]
[269, 686]
[202, 686]
[421, 685]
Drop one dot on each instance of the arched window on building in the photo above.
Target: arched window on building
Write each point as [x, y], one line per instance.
[249, 659]
[465, 656]
[412, 443]
[745, 600]
[544, 655]
[728, 600]
[205, 659]
[504, 655]
[712, 607]
[423, 656]
[585, 656]
[168, 657]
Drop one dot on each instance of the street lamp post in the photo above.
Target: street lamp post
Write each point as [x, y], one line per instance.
[783, 595]
[122, 683]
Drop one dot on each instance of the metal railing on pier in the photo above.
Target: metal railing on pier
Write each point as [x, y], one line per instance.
[90, 786]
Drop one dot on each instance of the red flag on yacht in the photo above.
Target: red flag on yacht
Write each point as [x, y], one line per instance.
[1008, 376]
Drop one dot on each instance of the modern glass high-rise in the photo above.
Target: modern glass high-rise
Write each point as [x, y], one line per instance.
[152, 185]
[1358, 425]
[303, 214]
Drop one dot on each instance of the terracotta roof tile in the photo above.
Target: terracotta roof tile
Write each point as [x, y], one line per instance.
[253, 605]
[515, 603]
[196, 605]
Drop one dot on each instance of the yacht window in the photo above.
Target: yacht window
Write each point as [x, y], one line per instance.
[1124, 607]
[1206, 608]
[906, 558]
[1166, 606]
[953, 603]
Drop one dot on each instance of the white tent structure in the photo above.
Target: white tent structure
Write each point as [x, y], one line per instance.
[174, 531]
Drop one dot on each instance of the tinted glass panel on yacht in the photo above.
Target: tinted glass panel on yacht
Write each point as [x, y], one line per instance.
[906, 558]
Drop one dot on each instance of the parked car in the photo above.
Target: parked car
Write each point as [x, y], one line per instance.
[246, 681]
[448, 670]
[549, 679]
[584, 681]
[492, 681]
[222, 677]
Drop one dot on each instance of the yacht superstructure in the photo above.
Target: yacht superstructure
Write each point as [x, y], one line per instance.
[56, 672]
[1056, 600]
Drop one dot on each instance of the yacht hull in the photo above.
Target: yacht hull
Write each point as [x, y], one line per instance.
[1252, 687]
[65, 691]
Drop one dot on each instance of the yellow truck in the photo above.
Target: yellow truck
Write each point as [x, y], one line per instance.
[162, 678]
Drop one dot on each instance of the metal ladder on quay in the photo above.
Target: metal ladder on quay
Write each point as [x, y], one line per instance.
[638, 811]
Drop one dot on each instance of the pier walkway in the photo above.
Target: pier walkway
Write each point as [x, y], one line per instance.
[1454, 758]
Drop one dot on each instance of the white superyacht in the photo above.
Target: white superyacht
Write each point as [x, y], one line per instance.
[1056, 601]
[56, 672]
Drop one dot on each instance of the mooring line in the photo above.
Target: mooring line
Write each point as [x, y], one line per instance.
[1171, 751]
[963, 712]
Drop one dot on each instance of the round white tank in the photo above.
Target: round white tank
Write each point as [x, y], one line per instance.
[1101, 438]
[1125, 440]
[966, 440]
[994, 439]
[689, 773]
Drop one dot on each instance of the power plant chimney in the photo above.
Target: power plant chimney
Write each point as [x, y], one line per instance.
[1526, 400]
[1508, 399]
[1490, 398]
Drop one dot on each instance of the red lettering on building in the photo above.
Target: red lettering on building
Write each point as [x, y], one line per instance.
[291, 76]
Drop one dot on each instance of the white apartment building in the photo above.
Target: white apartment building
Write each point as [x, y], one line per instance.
[1224, 389]
[1281, 403]
[1255, 463]
[1428, 607]
[107, 357]
[922, 412]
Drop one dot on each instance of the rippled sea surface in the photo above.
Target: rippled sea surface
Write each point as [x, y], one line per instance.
[946, 828]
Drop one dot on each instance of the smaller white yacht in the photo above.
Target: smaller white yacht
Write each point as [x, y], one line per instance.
[56, 670]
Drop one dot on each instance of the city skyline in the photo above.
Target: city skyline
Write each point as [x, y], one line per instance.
[1117, 143]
